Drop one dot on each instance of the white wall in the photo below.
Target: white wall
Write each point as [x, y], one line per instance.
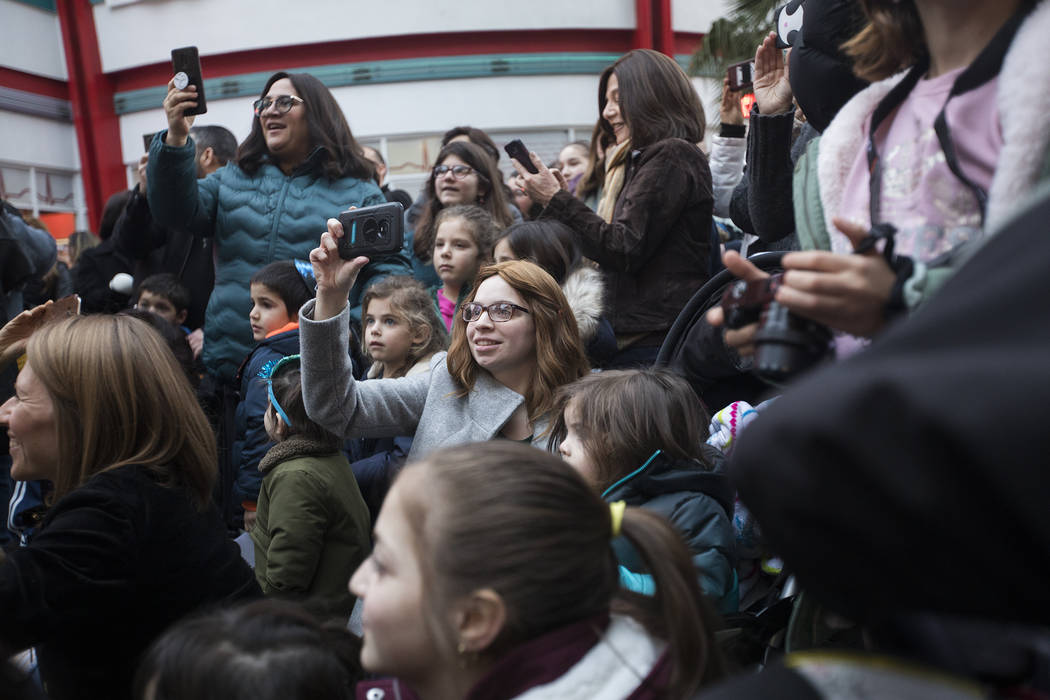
[145, 33]
[696, 15]
[426, 107]
[31, 41]
[45, 143]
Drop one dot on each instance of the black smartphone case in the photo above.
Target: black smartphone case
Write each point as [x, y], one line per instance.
[516, 150]
[186, 60]
[372, 231]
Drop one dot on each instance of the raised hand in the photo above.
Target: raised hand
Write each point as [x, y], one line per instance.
[729, 110]
[540, 186]
[771, 85]
[14, 336]
[175, 103]
[335, 276]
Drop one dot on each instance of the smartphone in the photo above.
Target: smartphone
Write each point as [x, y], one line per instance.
[186, 65]
[788, 20]
[62, 309]
[371, 231]
[147, 139]
[516, 150]
[741, 75]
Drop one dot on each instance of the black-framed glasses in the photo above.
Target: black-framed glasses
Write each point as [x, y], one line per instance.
[282, 103]
[498, 313]
[458, 171]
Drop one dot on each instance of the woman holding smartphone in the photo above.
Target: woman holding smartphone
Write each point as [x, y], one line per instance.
[651, 234]
[299, 162]
[514, 342]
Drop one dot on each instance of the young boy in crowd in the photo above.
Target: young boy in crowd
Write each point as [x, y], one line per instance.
[165, 296]
[277, 292]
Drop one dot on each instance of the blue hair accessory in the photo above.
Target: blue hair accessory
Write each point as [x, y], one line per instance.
[270, 369]
[306, 271]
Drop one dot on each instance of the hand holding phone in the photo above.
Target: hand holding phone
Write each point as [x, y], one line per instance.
[741, 75]
[186, 67]
[516, 150]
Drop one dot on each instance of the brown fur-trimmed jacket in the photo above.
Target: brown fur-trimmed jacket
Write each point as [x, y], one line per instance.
[655, 251]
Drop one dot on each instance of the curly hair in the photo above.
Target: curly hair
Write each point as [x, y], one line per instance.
[410, 300]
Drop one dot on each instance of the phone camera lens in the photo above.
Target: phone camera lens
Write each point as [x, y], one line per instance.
[371, 230]
[384, 229]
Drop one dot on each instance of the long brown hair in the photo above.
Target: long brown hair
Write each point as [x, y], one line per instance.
[625, 415]
[891, 41]
[490, 194]
[342, 155]
[594, 176]
[657, 99]
[519, 521]
[559, 352]
[120, 398]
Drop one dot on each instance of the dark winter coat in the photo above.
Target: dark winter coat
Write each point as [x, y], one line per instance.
[912, 476]
[312, 529]
[696, 500]
[116, 562]
[155, 249]
[656, 251]
[252, 442]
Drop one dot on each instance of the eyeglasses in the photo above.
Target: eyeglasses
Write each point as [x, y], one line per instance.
[458, 171]
[284, 104]
[267, 373]
[498, 313]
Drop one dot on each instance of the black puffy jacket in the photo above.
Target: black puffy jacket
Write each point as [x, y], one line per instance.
[698, 502]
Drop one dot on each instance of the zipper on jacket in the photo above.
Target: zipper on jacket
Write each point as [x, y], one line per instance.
[278, 213]
[633, 474]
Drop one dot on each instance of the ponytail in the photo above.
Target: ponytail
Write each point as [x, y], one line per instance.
[677, 612]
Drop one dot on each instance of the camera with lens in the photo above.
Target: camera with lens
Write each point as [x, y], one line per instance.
[372, 231]
[785, 343]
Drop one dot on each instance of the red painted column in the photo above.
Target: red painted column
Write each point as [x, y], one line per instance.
[663, 30]
[643, 25]
[91, 95]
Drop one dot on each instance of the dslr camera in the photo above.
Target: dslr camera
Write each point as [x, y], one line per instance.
[785, 343]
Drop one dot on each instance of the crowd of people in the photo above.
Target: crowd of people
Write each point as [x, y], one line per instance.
[574, 439]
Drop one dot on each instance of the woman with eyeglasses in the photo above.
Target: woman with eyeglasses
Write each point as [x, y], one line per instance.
[299, 162]
[463, 173]
[514, 343]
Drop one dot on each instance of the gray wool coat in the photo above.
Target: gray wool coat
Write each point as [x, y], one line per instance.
[426, 405]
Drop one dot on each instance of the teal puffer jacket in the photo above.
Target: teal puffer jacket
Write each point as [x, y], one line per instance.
[254, 221]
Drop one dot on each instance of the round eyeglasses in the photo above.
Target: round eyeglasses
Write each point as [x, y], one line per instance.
[283, 104]
[498, 313]
[458, 171]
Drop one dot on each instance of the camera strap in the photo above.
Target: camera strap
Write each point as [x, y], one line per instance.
[984, 68]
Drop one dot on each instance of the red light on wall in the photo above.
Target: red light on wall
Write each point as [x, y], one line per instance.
[747, 102]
